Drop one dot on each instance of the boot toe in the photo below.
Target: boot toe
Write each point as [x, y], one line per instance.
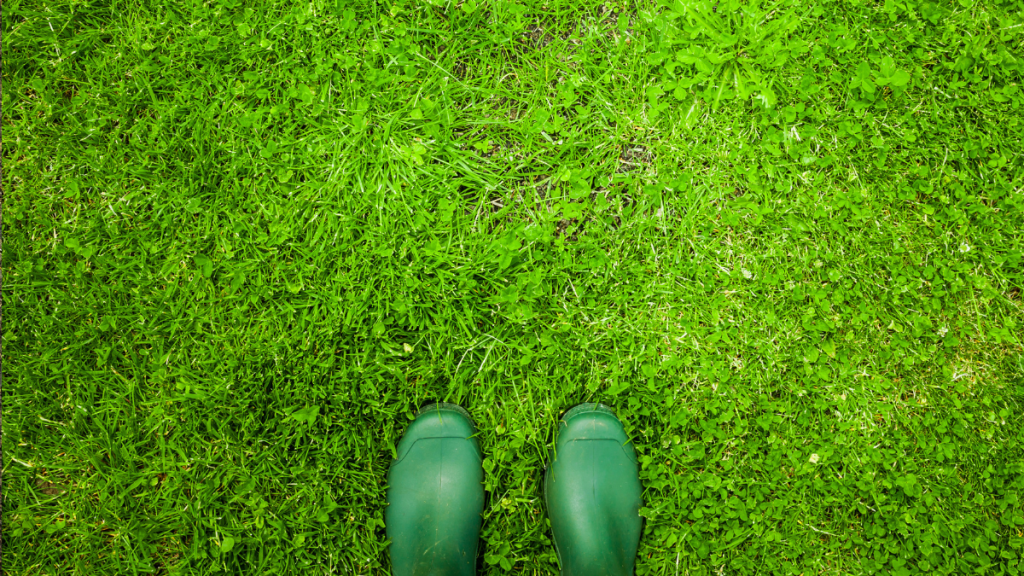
[591, 422]
[438, 421]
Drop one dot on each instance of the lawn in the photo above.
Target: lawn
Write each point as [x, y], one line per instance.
[243, 242]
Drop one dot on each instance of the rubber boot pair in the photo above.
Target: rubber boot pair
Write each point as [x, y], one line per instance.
[435, 495]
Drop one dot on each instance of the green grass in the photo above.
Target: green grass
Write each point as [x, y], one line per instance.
[243, 242]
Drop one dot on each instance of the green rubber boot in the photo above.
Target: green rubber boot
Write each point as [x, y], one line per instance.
[592, 490]
[435, 496]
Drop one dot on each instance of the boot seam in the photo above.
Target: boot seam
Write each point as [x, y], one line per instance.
[417, 441]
